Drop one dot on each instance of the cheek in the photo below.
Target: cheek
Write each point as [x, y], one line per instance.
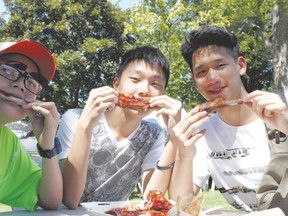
[157, 92]
[29, 96]
[3, 82]
[127, 88]
[198, 83]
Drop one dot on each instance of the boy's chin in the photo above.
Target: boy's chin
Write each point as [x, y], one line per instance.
[140, 112]
[10, 116]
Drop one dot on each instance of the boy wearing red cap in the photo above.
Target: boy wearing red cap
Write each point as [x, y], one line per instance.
[25, 68]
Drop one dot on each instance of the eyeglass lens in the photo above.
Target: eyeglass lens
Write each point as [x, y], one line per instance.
[14, 74]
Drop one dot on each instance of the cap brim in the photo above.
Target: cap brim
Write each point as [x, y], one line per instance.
[36, 52]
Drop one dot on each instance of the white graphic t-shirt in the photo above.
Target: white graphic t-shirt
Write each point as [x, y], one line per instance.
[235, 157]
[114, 167]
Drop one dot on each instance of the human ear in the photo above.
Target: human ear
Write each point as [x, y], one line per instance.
[116, 82]
[242, 64]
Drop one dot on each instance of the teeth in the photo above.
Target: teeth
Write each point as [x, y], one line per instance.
[215, 90]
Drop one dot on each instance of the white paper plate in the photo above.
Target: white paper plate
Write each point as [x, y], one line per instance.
[99, 208]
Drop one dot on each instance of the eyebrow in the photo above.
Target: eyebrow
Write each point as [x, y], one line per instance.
[157, 76]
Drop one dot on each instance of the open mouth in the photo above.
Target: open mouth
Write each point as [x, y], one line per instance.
[8, 97]
[215, 91]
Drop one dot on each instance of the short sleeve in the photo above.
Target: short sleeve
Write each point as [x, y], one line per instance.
[155, 152]
[67, 129]
[200, 169]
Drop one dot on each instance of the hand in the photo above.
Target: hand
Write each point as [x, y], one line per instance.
[270, 108]
[44, 118]
[170, 109]
[98, 102]
[187, 132]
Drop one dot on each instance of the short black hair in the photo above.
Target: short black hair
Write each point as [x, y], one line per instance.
[208, 35]
[150, 55]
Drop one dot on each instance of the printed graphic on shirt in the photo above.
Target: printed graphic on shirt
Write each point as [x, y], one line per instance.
[230, 153]
[252, 206]
[236, 190]
[115, 168]
[248, 171]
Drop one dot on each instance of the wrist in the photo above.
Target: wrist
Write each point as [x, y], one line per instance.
[50, 153]
[166, 167]
[84, 127]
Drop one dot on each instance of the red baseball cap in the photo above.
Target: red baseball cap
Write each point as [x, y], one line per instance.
[36, 52]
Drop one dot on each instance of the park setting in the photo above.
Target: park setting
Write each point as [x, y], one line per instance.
[88, 39]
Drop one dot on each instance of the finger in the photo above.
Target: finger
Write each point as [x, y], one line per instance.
[97, 97]
[194, 138]
[272, 109]
[46, 107]
[102, 106]
[254, 94]
[49, 113]
[267, 105]
[165, 101]
[193, 128]
[189, 126]
[103, 91]
[192, 113]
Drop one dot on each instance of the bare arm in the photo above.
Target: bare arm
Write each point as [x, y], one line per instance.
[171, 113]
[270, 107]
[161, 178]
[44, 127]
[186, 132]
[74, 167]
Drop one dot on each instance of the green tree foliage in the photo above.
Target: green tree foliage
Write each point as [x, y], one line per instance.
[88, 37]
[84, 36]
[165, 23]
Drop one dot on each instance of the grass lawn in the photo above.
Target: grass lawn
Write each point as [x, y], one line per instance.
[213, 198]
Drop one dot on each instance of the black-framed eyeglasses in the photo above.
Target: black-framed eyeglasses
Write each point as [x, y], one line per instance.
[13, 71]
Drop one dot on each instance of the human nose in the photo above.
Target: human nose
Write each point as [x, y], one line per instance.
[213, 76]
[144, 90]
[19, 83]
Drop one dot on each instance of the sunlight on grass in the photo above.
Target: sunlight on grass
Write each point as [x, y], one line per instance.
[214, 198]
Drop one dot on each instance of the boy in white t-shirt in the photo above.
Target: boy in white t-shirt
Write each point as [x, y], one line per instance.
[107, 149]
[232, 144]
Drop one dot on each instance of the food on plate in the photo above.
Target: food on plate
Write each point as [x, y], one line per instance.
[134, 212]
[219, 102]
[156, 201]
[189, 205]
[140, 103]
[156, 205]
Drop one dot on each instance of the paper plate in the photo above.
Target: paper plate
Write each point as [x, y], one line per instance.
[99, 208]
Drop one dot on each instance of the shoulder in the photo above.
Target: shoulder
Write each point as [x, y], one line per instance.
[6, 132]
[75, 111]
[151, 123]
[72, 114]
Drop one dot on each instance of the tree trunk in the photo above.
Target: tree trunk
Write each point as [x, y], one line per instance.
[280, 44]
